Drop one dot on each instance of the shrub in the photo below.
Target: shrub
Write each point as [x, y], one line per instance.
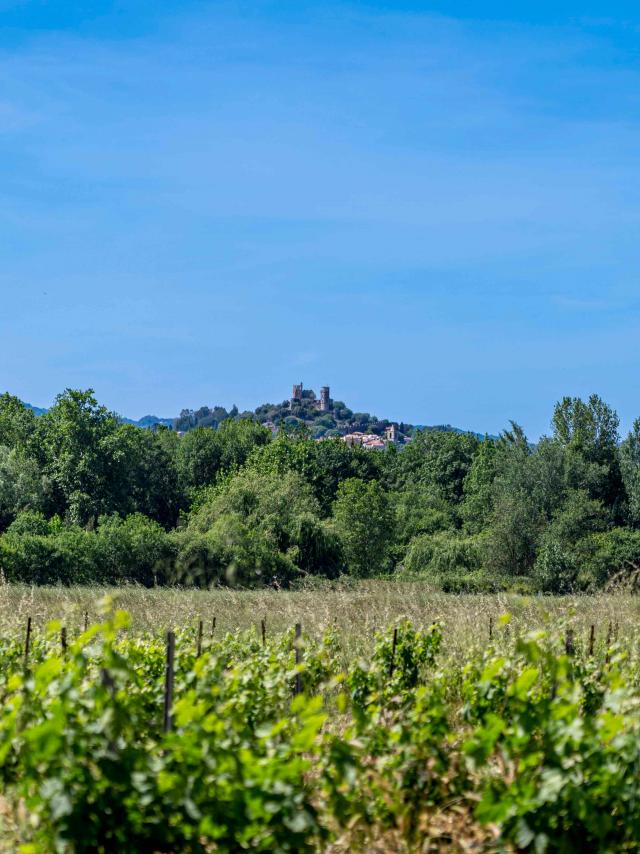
[444, 556]
[555, 568]
[609, 555]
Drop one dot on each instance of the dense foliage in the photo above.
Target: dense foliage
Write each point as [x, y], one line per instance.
[527, 742]
[85, 497]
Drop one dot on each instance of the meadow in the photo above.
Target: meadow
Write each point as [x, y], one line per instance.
[355, 609]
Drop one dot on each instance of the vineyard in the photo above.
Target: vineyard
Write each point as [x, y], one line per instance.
[114, 738]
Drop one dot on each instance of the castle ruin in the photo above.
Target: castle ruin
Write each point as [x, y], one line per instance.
[307, 397]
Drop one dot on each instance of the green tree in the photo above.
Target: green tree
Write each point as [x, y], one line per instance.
[199, 458]
[363, 518]
[146, 474]
[17, 422]
[517, 519]
[254, 528]
[237, 439]
[477, 505]
[529, 487]
[589, 433]
[436, 460]
[77, 436]
[22, 485]
[418, 512]
[630, 468]
[323, 465]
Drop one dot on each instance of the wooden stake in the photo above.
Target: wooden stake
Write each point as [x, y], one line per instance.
[63, 639]
[199, 643]
[213, 626]
[298, 657]
[107, 680]
[392, 663]
[490, 628]
[569, 646]
[263, 627]
[86, 620]
[592, 639]
[27, 642]
[168, 680]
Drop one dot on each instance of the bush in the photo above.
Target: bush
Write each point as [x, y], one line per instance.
[609, 555]
[444, 556]
[555, 568]
[257, 527]
[135, 549]
[69, 556]
[37, 551]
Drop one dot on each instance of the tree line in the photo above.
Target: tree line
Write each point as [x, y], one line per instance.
[85, 498]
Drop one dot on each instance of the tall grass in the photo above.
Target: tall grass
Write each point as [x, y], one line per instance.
[355, 611]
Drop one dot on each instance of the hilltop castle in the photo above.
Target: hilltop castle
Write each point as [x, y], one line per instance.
[306, 396]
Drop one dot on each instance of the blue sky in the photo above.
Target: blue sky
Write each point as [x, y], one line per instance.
[433, 207]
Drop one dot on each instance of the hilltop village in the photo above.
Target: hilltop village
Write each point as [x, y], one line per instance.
[326, 418]
[320, 416]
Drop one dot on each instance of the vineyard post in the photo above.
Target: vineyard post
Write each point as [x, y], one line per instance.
[298, 657]
[86, 620]
[606, 659]
[263, 628]
[569, 646]
[168, 680]
[199, 644]
[213, 626]
[490, 628]
[63, 639]
[392, 663]
[107, 681]
[110, 685]
[592, 639]
[27, 642]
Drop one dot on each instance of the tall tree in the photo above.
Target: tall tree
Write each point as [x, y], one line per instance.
[364, 521]
[589, 433]
[199, 458]
[630, 467]
[17, 422]
[436, 460]
[78, 440]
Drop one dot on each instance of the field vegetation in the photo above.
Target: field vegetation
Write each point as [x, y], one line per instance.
[396, 719]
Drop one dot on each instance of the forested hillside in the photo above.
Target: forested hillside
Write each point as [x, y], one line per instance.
[85, 497]
[303, 415]
[339, 421]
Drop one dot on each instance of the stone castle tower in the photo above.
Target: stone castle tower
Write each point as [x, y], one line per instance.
[296, 395]
[301, 395]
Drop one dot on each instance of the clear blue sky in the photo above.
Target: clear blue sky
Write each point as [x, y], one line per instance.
[434, 207]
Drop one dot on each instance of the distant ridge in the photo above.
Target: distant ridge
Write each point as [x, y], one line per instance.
[145, 421]
[37, 409]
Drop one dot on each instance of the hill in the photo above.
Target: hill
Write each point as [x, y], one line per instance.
[320, 417]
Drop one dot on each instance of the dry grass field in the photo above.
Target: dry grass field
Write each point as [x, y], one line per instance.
[355, 610]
